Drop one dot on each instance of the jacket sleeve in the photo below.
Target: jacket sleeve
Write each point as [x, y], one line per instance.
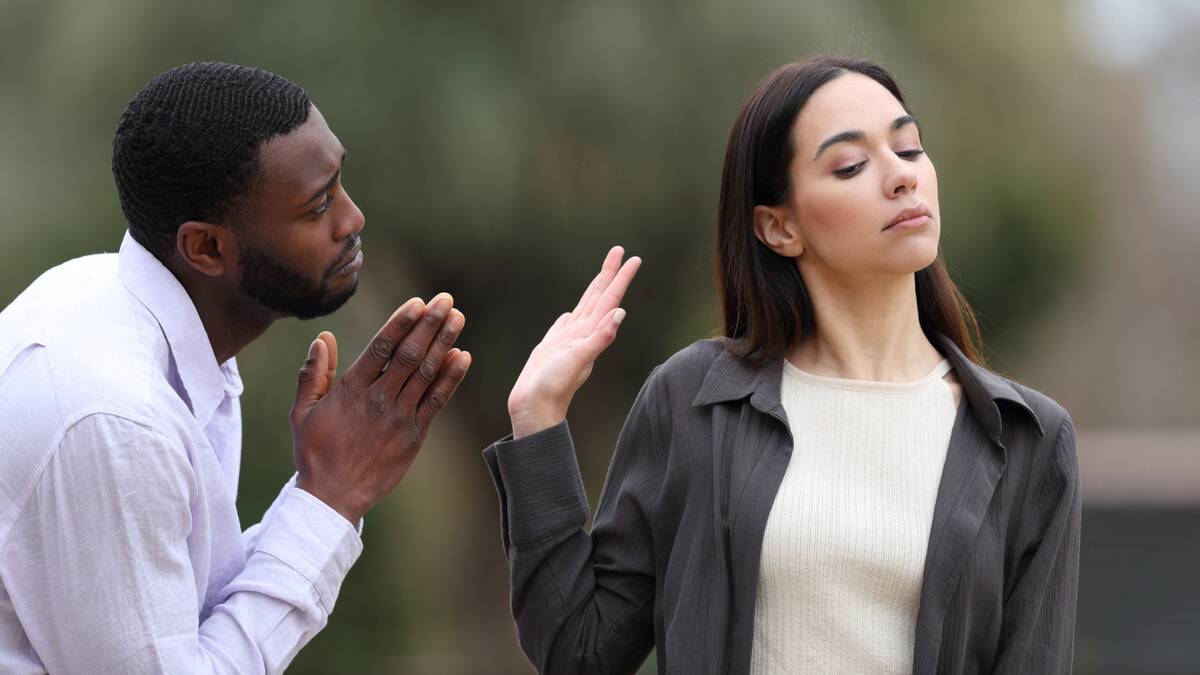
[1038, 633]
[583, 602]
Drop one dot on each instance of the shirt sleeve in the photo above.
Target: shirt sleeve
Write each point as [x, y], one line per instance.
[108, 584]
[253, 534]
[1038, 633]
[583, 601]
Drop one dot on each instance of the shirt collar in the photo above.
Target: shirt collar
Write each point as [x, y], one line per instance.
[206, 383]
[730, 379]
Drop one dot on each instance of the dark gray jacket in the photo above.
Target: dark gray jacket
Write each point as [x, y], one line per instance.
[672, 560]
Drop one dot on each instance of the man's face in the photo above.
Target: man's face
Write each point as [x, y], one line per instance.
[298, 235]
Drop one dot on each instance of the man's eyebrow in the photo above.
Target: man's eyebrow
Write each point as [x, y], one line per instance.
[858, 135]
[327, 186]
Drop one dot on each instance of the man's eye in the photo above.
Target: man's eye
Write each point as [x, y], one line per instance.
[324, 205]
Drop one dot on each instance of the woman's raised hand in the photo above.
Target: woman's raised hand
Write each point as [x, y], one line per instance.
[562, 361]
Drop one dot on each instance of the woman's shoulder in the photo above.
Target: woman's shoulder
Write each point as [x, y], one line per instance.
[1050, 429]
[682, 374]
[1051, 418]
[694, 360]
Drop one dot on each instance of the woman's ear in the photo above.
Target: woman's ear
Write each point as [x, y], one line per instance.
[777, 231]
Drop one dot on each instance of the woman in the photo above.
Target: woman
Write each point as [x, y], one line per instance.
[837, 484]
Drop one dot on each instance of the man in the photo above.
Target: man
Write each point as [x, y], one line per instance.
[120, 547]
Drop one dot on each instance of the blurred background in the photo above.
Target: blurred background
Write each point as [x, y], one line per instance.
[499, 149]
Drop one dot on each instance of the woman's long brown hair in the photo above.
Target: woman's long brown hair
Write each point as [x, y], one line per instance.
[765, 304]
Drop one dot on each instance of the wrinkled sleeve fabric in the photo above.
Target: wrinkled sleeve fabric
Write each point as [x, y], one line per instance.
[1038, 633]
[583, 601]
[107, 583]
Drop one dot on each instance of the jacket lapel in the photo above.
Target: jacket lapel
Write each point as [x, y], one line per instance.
[751, 449]
[974, 465]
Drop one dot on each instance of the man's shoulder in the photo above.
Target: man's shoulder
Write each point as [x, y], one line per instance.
[76, 341]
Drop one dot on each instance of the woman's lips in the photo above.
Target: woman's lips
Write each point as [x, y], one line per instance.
[910, 223]
[911, 218]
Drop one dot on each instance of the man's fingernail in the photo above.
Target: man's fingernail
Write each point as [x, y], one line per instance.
[619, 317]
[312, 349]
[413, 308]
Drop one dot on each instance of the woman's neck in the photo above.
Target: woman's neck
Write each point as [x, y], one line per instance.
[866, 329]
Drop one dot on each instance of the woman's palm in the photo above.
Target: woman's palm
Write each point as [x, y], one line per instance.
[562, 361]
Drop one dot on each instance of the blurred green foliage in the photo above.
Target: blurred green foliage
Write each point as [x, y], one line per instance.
[498, 150]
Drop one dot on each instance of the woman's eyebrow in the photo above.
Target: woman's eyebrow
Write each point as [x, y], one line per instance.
[858, 134]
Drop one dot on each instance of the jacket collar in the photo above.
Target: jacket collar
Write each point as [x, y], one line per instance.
[731, 379]
[205, 382]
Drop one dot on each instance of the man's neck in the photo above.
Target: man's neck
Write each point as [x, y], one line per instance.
[230, 321]
[866, 329]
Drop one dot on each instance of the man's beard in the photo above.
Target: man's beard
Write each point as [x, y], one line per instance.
[287, 292]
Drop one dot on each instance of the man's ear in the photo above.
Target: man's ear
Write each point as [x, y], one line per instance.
[777, 231]
[206, 247]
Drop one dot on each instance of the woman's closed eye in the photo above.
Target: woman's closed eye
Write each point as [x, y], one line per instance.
[854, 169]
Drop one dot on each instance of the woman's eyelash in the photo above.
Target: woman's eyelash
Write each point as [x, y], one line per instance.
[848, 171]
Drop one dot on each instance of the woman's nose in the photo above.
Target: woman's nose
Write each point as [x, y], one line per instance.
[902, 178]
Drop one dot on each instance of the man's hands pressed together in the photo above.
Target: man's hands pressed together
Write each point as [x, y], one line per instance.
[354, 440]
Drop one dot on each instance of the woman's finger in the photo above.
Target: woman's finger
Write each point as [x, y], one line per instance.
[603, 336]
[612, 262]
[615, 292]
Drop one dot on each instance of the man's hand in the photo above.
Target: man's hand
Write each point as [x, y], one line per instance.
[561, 363]
[354, 440]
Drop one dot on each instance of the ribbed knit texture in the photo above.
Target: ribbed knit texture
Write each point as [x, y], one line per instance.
[844, 549]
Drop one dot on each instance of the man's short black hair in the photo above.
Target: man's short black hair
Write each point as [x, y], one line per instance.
[186, 147]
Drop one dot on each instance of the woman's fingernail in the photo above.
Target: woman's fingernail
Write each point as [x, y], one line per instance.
[619, 317]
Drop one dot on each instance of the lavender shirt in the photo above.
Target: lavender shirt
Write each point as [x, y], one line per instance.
[120, 546]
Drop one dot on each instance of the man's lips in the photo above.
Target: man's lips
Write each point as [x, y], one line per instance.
[352, 263]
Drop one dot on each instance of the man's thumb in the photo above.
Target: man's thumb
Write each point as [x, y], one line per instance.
[314, 379]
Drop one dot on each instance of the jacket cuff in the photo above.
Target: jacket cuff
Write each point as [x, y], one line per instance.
[538, 482]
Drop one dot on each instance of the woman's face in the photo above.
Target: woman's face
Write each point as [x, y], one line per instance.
[863, 197]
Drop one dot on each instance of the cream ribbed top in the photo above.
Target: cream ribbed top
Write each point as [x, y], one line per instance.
[844, 549]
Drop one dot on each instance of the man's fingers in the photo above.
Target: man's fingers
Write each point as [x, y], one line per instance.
[612, 262]
[379, 350]
[409, 354]
[454, 369]
[418, 383]
[612, 296]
